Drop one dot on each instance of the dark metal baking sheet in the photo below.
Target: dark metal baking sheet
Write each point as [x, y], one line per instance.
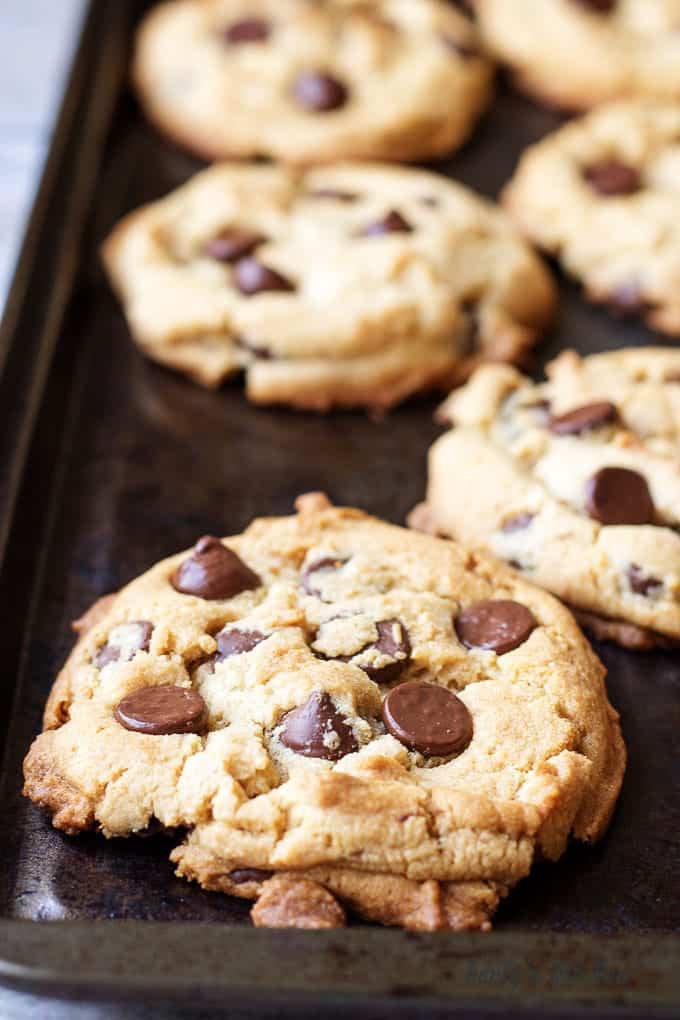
[108, 463]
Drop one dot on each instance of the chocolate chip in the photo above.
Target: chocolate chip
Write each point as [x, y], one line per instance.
[518, 522]
[392, 642]
[466, 7]
[124, 642]
[233, 244]
[611, 178]
[616, 495]
[327, 564]
[317, 730]
[392, 223]
[334, 193]
[581, 419]
[464, 49]
[427, 718]
[318, 92]
[253, 277]
[232, 641]
[499, 625]
[640, 582]
[161, 710]
[248, 30]
[241, 875]
[258, 350]
[214, 572]
[598, 6]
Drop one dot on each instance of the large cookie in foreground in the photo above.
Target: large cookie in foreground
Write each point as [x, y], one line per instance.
[352, 285]
[601, 195]
[343, 714]
[574, 482]
[309, 81]
[581, 53]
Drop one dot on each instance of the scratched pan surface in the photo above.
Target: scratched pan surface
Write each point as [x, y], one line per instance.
[129, 463]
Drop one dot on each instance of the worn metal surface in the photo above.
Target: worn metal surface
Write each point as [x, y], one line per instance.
[108, 463]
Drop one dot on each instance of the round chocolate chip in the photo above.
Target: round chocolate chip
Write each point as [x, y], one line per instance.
[124, 642]
[616, 495]
[498, 625]
[317, 730]
[248, 30]
[427, 718]
[328, 564]
[232, 641]
[598, 6]
[233, 244]
[640, 582]
[253, 277]
[581, 419]
[392, 223]
[611, 178]
[214, 572]
[518, 522]
[161, 710]
[334, 193]
[318, 92]
[241, 875]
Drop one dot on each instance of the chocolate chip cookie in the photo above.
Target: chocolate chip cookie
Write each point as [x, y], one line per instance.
[351, 285]
[575, 483]
[602, 195]
[309, 81]
[579, 53]
[343, 715]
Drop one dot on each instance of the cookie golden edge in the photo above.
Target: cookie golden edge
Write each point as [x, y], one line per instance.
[418, 905]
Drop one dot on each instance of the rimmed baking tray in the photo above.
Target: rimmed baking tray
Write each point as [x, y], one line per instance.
[108, 463]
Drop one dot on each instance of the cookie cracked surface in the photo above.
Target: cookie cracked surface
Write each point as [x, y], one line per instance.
[575, 482]
[306, 81]
[580, 53]
[602, 195]
[356, 285]
[270, 724]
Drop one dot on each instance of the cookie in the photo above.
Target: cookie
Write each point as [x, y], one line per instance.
[343, 714]
[305, 81]
[578, 53]
[352, 285]
[575, 483]
[601, 195]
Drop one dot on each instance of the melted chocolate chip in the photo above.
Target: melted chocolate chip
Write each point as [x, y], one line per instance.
[498, 625]
[334, 193]
[392, 223]
[248, 30]
[163, 710]
[214, 572]
[582, 419]
[317, 92]
[317, 730]
[616, 495]
[253, 277]
[640, 582]
[124, 642]
[328, 563]
[518, 522]
[611, 178]
[427, 718]
[232, 641]
[233, 244]
[241, 875]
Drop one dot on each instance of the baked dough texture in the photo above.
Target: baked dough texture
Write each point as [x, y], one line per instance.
[577, 54]
[602, 195]
[351, 285]
[528, 492]
[309, 81]
[401, 836]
